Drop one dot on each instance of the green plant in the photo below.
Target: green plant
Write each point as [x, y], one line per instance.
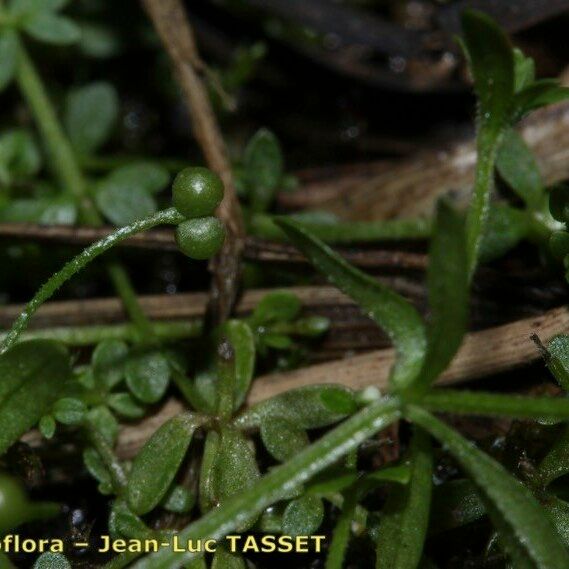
[232, 487]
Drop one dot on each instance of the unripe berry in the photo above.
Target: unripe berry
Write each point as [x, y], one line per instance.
[200, 238]
[197, 192]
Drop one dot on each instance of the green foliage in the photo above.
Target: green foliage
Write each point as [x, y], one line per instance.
[392, 312]
[148, 375]
[306, 407]
[20, 158]
[526, 532]
[303, 516]
[69, 411]
[34, 375]
[94, 100]
[263, 169]
[447, 279]
[282, 438]
[406, 514]
[517, 166]
[155, 466]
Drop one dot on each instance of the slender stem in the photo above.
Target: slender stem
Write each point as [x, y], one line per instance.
[118, 475]
[90, 335]
[495, 404]
[169, 216]
[68, 171]
[62, 157]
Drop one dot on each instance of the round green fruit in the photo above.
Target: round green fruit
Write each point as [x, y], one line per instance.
[197, 192]
[200, 238]
[14, 506]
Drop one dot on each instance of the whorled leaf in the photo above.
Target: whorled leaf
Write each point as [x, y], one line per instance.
[156, 465]
[525, 529]
[391, 311]
[448, 287]
[305, 407]
[405, 517]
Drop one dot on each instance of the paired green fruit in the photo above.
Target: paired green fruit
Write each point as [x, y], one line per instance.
[200, 238]
[197, 192]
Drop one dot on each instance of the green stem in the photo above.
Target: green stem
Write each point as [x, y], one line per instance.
[68, 171]
[280, 481]
[479, 403]
[118, 475]
[91, 335]
[169, 216]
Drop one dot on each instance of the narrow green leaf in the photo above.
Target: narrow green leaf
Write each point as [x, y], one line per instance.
[518, 167]
[495, 404]
[8, 56]
[524, 68]
[556, 462]
[98, 100]
[558, 512]
[306, 407]
[539, 94]
[448, 286]
[242, 340]
[49, 28]
[342, 532]
[557, 359]
[391, 311]
[156, 465]
[34, 375]
[526, 530]
[235, 469]
[279, 481]
[303, 516]
[406, 514]
[492, 65]
[264, 169]
[491, 61]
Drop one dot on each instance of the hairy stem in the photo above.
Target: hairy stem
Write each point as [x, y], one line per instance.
[169, 216]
